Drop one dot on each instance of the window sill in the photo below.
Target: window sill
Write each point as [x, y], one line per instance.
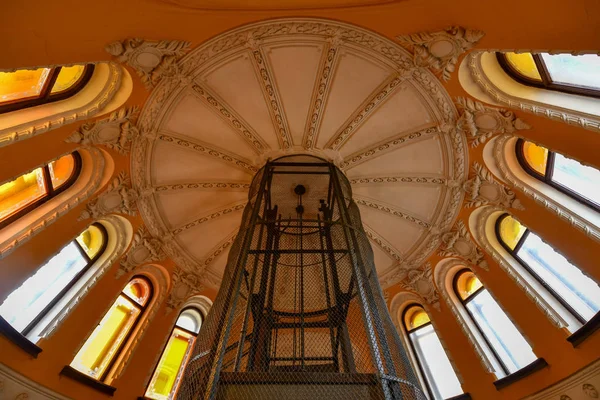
[520, 374]
[18, 339]
[80, 377]
[585, 331]
[464, 396]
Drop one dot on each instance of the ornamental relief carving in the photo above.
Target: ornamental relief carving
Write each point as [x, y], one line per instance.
[420, 280]
[152, 60]
[118, 198]
[482, 189]
[115, 132]
[144, 249]
[480, 122]
[183, 285]
[440, 50]
[458, 243]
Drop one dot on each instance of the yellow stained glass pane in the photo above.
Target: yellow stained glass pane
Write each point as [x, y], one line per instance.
[536, 156]
[96, 354]
[67, 77]
[467, 284]
[415, 317]
[22, 84]
[61, 170]
[511, 231]
[91, 240]
[20, 192]
[139, 290]
[524, 64]
[170, 367]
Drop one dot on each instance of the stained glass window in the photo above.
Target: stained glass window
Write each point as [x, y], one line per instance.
[28, 303]
[168, 373]
[431, 357]
[506, 342]
[102, 346]
[32, 189]
[561, 72]
[579, 181]
[579, 294]
[31, 87]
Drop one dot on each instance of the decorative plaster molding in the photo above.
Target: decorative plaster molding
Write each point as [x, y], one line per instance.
[568, 116]
[499, 148]
[209, 217]
[582, 385]
[152, 60]
[144, 249]
[420, 280]
[115, 132]
[480, 235]
[458, 243]
[185, 284]
[482, 189]
[118, 197]
[33, 128]
[363, 201]
[228, 186]
[440, 50]
[480, 122]
[403, 139]
[374, 180]
[383, 244]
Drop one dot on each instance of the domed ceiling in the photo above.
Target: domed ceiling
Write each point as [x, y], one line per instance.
[298, 86]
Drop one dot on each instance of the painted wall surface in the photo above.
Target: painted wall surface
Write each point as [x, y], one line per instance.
[42, 32]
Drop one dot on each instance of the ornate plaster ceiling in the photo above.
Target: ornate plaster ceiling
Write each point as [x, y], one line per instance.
[298, 86]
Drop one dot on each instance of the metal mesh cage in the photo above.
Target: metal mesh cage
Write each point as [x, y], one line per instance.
[300, 313]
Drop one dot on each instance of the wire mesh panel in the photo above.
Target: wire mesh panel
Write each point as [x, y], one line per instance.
[300, 313]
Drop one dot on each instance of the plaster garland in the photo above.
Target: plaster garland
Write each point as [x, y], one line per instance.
[152, 60]
[115, 132]
[440, 50]
[33, 128]
[480, 122]
[571, 117]
[144, 249]
[185, 284]
[420, 281]
[118, 197]
[482, 189]
[458, 243]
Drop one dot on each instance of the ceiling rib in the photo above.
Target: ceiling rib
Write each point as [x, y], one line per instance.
[365, 201]
[210, 216]
[407, 179]
[230, 186]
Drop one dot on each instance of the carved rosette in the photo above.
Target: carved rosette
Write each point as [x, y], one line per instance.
[440, 50]
[420, 281]
[144, 249]
[152, 60]
[184, 285]
[482, 189]
[115, 132]
[458, 243]
[118, 198]
[480, 122]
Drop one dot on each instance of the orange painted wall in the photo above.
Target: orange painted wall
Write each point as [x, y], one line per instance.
[46, 32]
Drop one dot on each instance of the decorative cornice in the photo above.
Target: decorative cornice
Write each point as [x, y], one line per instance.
[480, 122]
[115, 132]
[388, 145]
[274, 103]
[369, 106]
[364, 201]
[144, 249]
[234, 120]
[440, 50]
[209, 150]
[317, 104]
[420, 280]
[209, 217]
[119, 197]
[458, 243]
[152, 60]
[482, 189]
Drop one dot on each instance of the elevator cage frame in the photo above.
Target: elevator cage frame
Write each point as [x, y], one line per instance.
[300, 313]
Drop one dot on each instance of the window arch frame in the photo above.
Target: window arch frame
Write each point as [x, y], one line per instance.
[45, 96]
[547, 176]
[546, 82]
[184, 362]
[50, 191]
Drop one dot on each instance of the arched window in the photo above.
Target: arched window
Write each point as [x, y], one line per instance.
[576, 180]
[509, 347]
[26, 306]
[432, 360]
[30, 190]
[578, 294]
[103, 346]
[32, 87]
[562, 72]
[167, 375]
